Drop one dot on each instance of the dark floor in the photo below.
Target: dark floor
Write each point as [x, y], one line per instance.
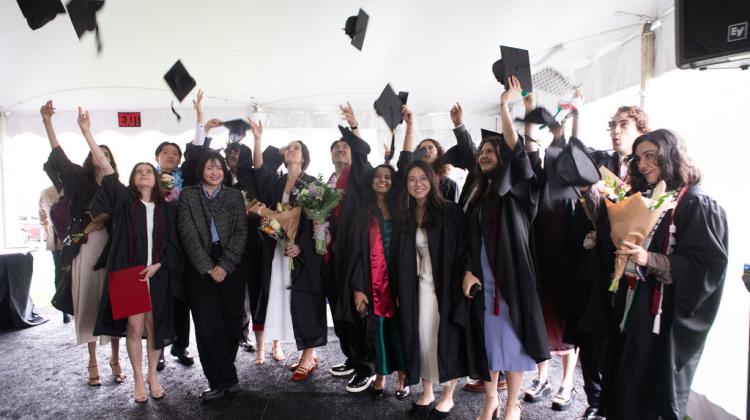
[43, 375]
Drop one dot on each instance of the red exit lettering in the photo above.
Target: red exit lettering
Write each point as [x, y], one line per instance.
[129, 119]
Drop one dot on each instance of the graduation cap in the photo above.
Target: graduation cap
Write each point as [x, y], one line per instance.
[180, 82]
[454, 156]
[39, 12]
[492, 135]
[83, 15]
[419, 154]
[237, 129]
[574, 166]
[515, 62]
[355, 28]
[389, 106]
[539, 116]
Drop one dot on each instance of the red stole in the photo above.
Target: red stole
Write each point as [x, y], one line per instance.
[380, 287]
[342, 182]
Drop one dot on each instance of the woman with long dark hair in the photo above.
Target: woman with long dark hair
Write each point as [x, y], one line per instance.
[213, 228]
[143, 233]
[500, 278]
[431, 152]
[660, 323]
[291, 306]
[86, 257]
[426, 270]
[369, 261]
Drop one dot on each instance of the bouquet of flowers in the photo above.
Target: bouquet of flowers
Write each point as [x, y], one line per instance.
[280, 225]
[76, 238]
[172, 185]
[317, 199]
[632, 217]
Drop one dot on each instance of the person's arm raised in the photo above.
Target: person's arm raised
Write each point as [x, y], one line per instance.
[528, 105]
[100, 159]
[513, 91]
[347, 113]
[409, 136]
[257, 129]
[47, 111]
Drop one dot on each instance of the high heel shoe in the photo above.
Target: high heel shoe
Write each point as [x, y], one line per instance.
[117, 374]
[158, 393]
[140, 397]
[94, 380]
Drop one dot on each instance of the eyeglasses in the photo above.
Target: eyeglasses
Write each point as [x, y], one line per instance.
[418, 180]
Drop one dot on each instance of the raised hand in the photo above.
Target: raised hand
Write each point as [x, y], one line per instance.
[407, 115]
[347, 113]
[47, 111]
[83, 120]
[213, 123]
[457, 115]
[528, 102]
[256, 128]
[197, 101]
[387, 153]
[513, 91]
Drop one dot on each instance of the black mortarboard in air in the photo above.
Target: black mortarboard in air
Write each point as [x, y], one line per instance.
[574, 166]
[390, 107]
[180, 82]
[39, 12]
[355, 28]
[539, 116]
[237, 129]
[515, 62]
[83, 15]
[455, 157]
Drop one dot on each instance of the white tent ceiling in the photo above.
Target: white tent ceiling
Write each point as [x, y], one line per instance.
[293, 56]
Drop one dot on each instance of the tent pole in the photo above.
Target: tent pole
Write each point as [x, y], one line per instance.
[647, 60]
[3, 201]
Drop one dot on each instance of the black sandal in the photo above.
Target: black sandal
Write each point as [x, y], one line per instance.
[420, 410]
[537, 391]
[564, 398]
[401, 394]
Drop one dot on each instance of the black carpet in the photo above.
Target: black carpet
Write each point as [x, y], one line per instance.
[43, 375]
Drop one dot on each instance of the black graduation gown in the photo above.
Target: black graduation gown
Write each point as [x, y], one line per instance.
[647, 375]
[114, 199]
[512, 210]
[445, 254]
[589, 307]
[308, 298]
[348, 231]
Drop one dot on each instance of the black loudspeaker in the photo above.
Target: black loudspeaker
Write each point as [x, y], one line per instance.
[712, 32]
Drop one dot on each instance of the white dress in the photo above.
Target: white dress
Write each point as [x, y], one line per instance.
[278, 325]
[429, 317]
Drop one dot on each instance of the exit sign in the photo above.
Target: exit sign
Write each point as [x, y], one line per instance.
[129, 119]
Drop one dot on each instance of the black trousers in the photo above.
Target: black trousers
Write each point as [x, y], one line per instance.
[217, 314]
[59, 274]
[590, 355]
[181, 325]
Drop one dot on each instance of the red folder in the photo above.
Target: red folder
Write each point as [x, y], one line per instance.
[128, 293]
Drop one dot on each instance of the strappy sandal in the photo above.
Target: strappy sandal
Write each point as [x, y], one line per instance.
[159, 394]
[563, 399]
[537, 391]
[117, 374]
[302, 373]
[520, 411]
[94, 380]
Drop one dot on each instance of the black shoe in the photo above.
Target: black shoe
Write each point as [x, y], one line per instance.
[564, 398]
[161, 364]
[359, 383]
[183, 356]
[213, 394]
[537, 391]
[401, 394]
[377, 393]
[341, 370]
[437, 414]
[247, 345]
[67, 318]
[591, 413]
[419, 410]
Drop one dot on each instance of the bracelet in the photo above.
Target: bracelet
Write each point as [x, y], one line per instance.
[354, 128]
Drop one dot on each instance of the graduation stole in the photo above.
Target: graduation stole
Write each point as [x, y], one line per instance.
[379, 285]
[669, 243]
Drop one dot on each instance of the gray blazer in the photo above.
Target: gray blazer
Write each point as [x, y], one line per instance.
[194, 216]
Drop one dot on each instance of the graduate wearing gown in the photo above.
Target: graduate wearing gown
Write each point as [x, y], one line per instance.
[658, 331]
[426, 271]
[297, 295]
